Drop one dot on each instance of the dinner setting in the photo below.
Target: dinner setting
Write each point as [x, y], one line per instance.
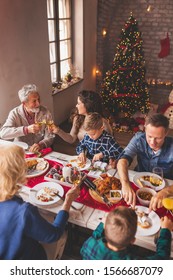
[51, 174]
[86, 130]
[101, 191]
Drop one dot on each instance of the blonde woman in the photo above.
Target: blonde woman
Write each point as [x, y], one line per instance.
[22, 228]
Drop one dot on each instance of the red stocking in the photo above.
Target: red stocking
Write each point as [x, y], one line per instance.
[165, 47]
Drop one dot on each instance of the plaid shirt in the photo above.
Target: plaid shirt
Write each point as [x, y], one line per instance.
[95, 248]
[105, 144]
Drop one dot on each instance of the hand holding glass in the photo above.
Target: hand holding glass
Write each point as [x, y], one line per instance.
[50, 123]
[41, 121]
[168, 202]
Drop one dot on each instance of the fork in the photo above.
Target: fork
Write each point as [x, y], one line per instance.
[93, 187]
[106, 200]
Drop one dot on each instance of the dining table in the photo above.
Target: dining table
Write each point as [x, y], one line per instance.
[85, 212]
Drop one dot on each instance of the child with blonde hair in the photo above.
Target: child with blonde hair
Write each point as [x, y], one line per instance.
[97, 144]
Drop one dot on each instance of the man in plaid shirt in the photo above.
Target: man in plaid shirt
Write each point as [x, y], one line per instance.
[97, 144]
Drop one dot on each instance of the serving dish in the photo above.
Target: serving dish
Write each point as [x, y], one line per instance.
[104, 187]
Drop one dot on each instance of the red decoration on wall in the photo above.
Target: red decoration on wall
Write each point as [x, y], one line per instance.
[165, 47]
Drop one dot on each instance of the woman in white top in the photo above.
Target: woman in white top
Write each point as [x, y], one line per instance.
[87, 102]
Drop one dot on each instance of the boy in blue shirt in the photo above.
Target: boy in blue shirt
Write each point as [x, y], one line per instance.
[97, 144]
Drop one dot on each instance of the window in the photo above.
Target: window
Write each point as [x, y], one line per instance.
[60, 37]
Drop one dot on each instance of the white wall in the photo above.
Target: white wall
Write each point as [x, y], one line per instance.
[24, 55]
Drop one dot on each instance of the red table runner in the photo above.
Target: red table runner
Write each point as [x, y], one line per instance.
[85, 197]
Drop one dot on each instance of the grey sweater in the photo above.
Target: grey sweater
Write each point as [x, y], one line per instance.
[13, 128]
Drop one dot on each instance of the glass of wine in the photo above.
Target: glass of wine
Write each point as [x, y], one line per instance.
[49, 123]
[40, 119]
[76, 176]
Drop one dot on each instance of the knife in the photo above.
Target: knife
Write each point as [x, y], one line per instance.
[59, 158]
[62, 198]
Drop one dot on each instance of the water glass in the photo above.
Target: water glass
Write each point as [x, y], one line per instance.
[158, 170]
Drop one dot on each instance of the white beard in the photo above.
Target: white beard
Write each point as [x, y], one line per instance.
[34, 110]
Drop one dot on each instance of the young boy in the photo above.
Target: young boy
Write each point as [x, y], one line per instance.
[112, 241]
[97, 144]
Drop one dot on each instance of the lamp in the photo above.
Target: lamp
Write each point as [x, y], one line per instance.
[104, 32]
[149, 8]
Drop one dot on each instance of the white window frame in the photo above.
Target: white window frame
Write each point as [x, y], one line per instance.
[59, 15]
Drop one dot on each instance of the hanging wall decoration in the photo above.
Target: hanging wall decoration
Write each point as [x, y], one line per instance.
[165, 47]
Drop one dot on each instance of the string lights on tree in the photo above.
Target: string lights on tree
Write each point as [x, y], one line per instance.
[124, 87]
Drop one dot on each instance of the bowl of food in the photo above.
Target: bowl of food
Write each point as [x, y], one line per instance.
[144, 195]
[115, 195]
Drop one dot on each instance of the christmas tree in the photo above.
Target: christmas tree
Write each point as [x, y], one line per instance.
[124, 88]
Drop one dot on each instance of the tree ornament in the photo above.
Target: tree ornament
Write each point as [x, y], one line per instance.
[125, 50]
[134, 55]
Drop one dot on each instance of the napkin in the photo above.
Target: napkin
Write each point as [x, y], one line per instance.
[41, 153]
[45, 151]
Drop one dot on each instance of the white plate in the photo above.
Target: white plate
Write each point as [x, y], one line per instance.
[39, 189]
[21, 144]
[74, 164]
[29, 153]
[35, 173]
[146, 183]
[153, 219]
[18, 143]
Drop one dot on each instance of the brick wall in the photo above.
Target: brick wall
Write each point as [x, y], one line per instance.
[154, 25]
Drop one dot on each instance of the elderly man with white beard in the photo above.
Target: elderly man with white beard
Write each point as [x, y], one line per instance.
[21, 123]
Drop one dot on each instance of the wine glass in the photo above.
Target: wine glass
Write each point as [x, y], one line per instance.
[156, 181]
[40, 119]
[71, 175]
[158, 170]
[76, 176]
[49, 123]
